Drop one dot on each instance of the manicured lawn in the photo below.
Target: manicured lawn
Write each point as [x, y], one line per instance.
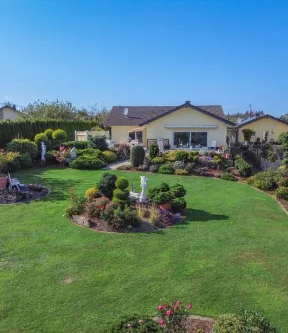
[230, 253]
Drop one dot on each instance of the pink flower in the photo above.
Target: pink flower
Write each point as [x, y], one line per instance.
[160, 307]
[168, 313]
[179, 302]
[176, 308]
[189, 306]
[129, 325]
[161, 322]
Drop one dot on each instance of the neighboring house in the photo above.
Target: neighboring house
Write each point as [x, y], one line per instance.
[180, 126]
[9, 112]
[266, 128]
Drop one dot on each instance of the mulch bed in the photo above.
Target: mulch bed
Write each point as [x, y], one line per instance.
[197, 324]
[27, 193]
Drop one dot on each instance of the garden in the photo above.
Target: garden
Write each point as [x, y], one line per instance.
[89, 250]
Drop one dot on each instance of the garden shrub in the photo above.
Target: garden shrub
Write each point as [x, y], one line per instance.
[50, 157]
[266, 180]
[170, 156]
[25, 160]
[177, 190]
[158, 160]
[182, 155]
[245, 169]
[109, 156]
[190, 167]
[154, 168]
[166, 169]
[152, 192]
[120, 194]
[41, 137]
[256, 322]
[247, 133]
[193, 156]
[137, 156]
[106, 184]
[181, 172]
[122, 183]
[144, 167]
[282, 193]
[23, 146]
[59, 134]
[228, 176]
[228, 323]
[97, 142]
[123, 217]
[92, 193]
[179, 204]
[76, 144]
[179, 165]
[90, 152]
[268, 153]
[48, 132]
[162, 198]
[88, 162]
[135, 324]
[283, 182]
[77, 204]
[153, 151]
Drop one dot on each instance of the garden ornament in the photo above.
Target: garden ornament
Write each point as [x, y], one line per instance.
[43, 152]
[143, 186]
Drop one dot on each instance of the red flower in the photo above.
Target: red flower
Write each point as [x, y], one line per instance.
[176, 308]
[168, 313]
[160, 307]
[179, 302]
[102, 207]
[161, 322]
[189, 306]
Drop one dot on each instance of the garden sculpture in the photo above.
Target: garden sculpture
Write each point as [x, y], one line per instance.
[43, 152]
[143, 185]
[73, 153]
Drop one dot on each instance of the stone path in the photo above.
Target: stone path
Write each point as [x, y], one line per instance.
[113, 166]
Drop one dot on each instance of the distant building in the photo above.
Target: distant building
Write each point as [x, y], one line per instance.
[9, 112]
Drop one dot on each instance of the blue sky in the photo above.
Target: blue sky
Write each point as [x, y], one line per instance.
[153, 52]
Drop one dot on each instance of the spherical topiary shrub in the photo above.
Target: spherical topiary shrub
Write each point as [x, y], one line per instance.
[179, 204]
[153, 151]
[59, 134]
[92, 193]
[122, 183]
[106, 184]
[23, 146]
[87, 162]
[48, 133]
[41, 137]
[110, 156]
[178, 190]
[137, 156]
[120, 194]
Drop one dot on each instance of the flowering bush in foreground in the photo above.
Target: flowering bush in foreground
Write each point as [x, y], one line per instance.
[173, 316]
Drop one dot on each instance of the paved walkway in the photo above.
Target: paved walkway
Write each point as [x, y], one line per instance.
[114, 166]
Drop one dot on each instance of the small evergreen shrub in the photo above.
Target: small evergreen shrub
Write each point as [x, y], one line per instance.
[106, 184]
[109, 156]
[177, 190]
[59, 134]
[77, 204]
[181, 172]
[120, 194]
[182, 155]
[190, 167]
[228, 176]
[48, 132]
[92, 193]
[137, 156]
[256, 322]
[50, 157]
[179, 165]
[245, 169]
[282, 193]
[170, 156]
[97, 142]
[166, 169]
[162, 198]
[193, 156]
[41, 137]
[88, 162]
[158, 160]
[135, 324]
[76, 144]
[153, 151]
[283, 182]
[23, 146]
[228, 323]
[179, 204]
[266, 180]
[122, 183]
[25, 161]
[90, 152]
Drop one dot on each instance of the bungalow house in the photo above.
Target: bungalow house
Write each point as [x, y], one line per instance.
[266, 128]
[9, 112]
[185, 125]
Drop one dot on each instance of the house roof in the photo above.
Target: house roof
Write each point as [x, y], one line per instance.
[253, 119]
[9, 107]
[142, 115]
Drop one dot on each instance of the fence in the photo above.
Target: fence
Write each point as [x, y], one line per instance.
[83, 135]
[265, 164]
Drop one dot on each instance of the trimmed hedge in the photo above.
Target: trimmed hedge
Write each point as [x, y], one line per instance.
[76, 144]
[109, 156]
[28, 128]
[23, 146]
[87, 162]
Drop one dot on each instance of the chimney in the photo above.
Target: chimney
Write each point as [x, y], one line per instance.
[187, 103]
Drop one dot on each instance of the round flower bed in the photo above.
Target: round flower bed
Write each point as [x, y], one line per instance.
[27, 193]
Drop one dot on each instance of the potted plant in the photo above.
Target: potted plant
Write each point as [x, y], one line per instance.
[164, 200]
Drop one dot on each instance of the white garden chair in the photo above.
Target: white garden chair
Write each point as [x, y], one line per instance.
[13, 182]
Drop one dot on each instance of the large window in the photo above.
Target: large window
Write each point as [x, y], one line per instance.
[187, 139]
[136, 135]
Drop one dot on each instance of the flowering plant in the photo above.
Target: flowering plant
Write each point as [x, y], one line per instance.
[77, 204]
[6, 158]
[62, 154]
[173, 316]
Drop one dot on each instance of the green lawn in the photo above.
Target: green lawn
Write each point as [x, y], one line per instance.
[230, 253]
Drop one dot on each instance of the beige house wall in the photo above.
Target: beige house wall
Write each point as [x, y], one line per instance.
[274, 127]
[10, 114]
[187, 117]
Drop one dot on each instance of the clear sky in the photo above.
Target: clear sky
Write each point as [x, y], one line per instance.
[153, 52]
